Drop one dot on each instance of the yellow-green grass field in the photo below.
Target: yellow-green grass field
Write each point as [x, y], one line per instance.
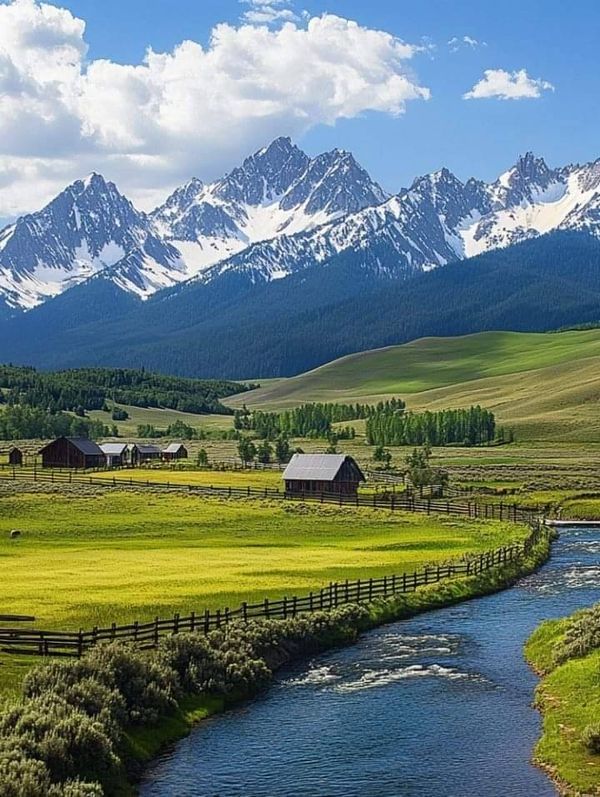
[569, 699]
[160, 419]
[255, 479]
[545, 386]
[91, 557]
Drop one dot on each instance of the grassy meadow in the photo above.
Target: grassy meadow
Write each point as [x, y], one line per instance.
[255, 479]
[160, 419]
[569, 699]
[91, 556]
[544, 386]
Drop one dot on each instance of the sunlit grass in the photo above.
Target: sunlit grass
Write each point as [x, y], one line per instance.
[569, 698]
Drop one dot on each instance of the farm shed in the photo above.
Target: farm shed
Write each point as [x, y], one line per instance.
[175, 451]
[140, 452]
[15, 456]
[72, 452]
[114, 453]
[322, 473]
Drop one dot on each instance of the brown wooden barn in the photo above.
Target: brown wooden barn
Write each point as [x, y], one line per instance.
[15, 457]
[174, 451]
[322, 473]
[72, 452]
[141, 452]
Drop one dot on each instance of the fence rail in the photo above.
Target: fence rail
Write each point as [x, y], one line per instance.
[147, 635]
[388, 500]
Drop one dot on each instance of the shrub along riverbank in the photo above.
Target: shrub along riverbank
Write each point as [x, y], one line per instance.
[566, 653]
[84, 728]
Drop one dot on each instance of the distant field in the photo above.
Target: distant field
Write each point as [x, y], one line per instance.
[85, 559]
[160, 419]
[208, 478]
[545, 386]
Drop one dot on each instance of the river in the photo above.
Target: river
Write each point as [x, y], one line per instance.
[436, 706]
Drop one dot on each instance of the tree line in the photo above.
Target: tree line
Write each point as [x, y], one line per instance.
[84, 389]
[310, 420]
[28, 423]
[472, 426]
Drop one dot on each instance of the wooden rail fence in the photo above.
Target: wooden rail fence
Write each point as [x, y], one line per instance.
[389, 500]
[147, 635]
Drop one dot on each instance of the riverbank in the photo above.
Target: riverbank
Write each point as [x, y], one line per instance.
[566, 654]
[145, 744]
[128, 704]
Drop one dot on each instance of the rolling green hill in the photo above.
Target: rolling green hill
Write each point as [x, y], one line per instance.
[546, 386]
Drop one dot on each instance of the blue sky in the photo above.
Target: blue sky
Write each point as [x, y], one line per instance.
[552, 41]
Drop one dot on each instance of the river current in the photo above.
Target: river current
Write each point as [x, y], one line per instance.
[436, 706]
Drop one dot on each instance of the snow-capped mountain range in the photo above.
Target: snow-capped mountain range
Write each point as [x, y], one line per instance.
[280, 212]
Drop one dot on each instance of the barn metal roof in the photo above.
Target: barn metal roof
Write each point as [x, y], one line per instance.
[84, 445]
[316, 467]
[116, 449]
[147, 449]
[173, 448]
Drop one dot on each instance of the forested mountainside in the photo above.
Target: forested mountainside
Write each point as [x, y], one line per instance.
[91, 388]
[235, 329]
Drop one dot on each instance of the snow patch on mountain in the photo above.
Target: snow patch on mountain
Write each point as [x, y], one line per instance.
[279, 212]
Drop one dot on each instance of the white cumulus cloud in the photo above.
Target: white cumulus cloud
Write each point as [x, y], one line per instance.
[505, 85]
[194, 110]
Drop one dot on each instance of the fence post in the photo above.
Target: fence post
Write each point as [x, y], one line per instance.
[206, 621]
[192, 621]
[156, 632]
[80, 643]
[245, 611]
[266, 608]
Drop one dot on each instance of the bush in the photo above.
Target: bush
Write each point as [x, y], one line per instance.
[591, 738]
[59, 743]
[581, 636]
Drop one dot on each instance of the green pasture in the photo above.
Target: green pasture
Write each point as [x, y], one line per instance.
[93, 557]
[160, 419]
[569, 699]
[255, 479]
[544, 386]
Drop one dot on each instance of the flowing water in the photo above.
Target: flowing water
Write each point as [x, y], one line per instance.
[436, 706]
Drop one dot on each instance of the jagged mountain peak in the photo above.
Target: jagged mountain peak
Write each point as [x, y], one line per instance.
[266, 174]
[530, 165]
[279, 212]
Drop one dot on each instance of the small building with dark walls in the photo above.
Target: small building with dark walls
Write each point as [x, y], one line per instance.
[142, 452]
[15, 457]
[72, 452]
[322, 473]
[174, 451]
